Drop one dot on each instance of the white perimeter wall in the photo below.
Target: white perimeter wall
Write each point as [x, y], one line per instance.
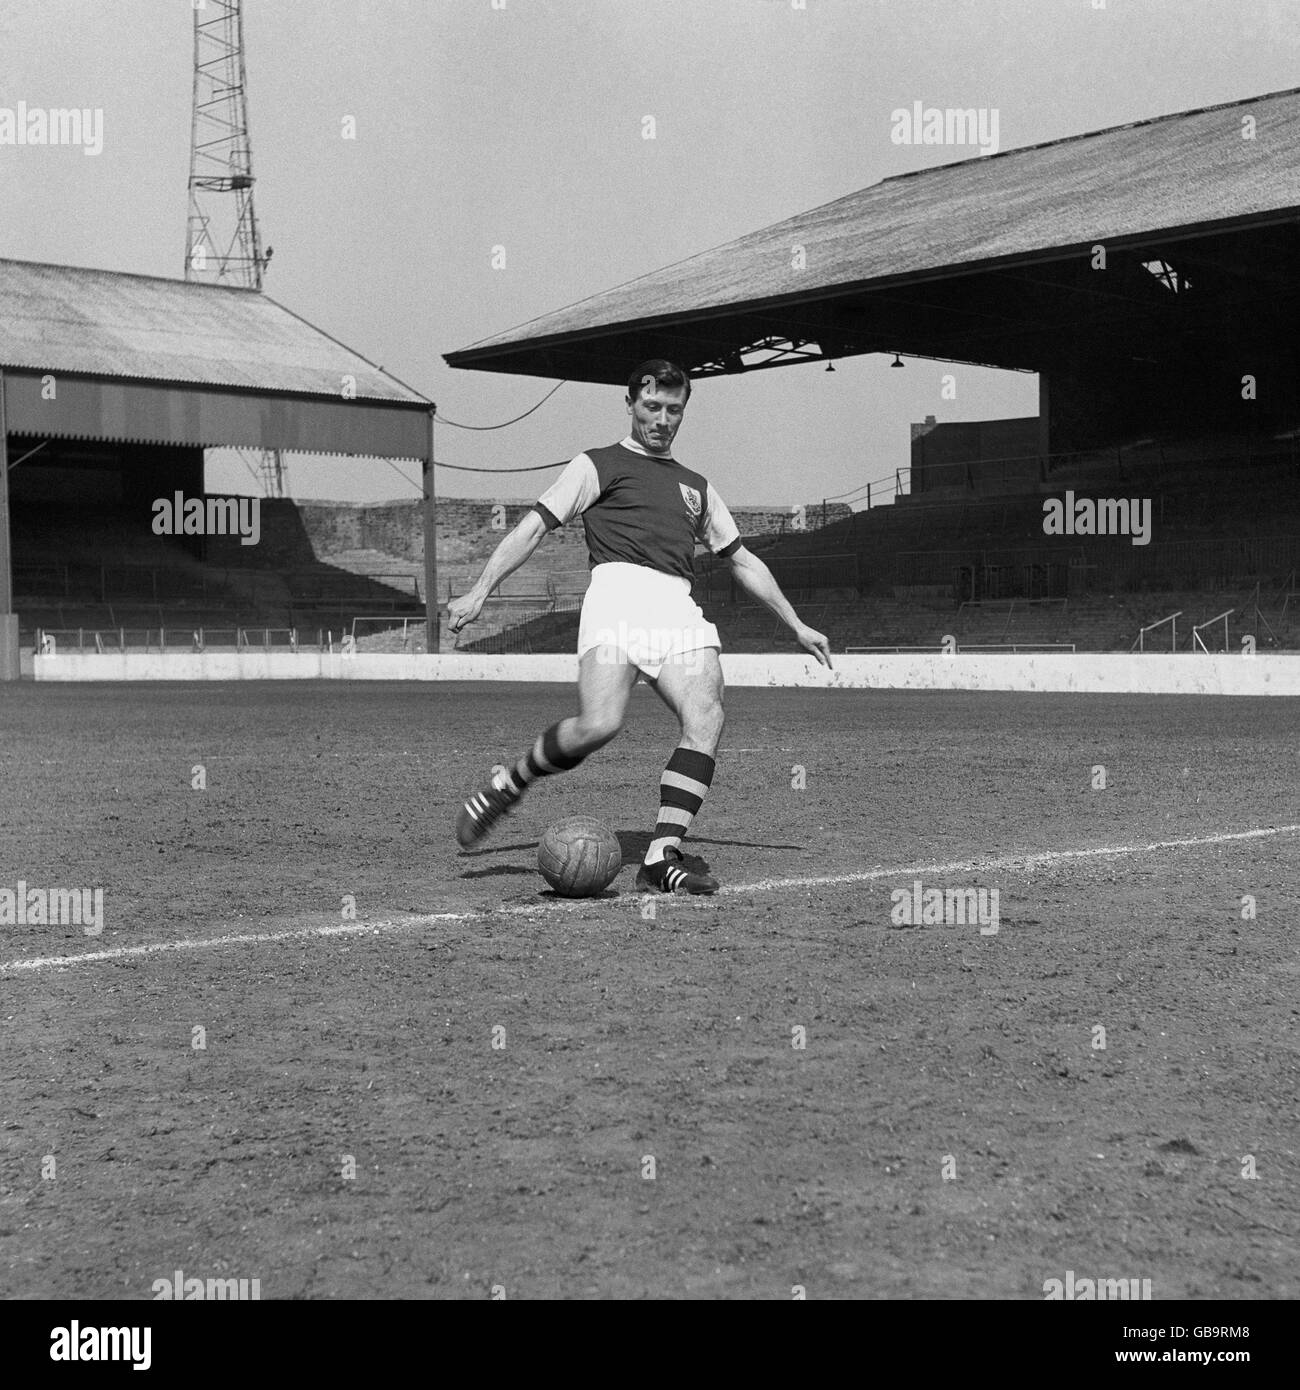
[1082, 672]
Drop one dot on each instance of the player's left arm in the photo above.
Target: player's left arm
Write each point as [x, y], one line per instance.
[754, 576]
[718, 531]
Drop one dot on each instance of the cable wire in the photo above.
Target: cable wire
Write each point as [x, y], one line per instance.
[537, 468]
[442, 419]
[419, 487]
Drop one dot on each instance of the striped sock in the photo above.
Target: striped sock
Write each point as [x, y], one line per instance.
[543, 759]
[682, 789]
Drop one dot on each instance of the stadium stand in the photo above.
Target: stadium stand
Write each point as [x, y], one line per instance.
[950, 563]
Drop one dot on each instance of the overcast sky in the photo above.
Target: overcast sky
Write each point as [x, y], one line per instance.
[518, 123]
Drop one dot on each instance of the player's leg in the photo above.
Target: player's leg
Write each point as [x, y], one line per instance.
[605, 680]
[690, 684]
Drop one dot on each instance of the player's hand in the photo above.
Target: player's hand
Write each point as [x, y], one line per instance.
[463, 610]
[813, 641]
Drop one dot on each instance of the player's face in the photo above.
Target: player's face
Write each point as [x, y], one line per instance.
[656, 417]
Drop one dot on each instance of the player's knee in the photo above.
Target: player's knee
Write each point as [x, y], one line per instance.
[704, 726]
[597, 729]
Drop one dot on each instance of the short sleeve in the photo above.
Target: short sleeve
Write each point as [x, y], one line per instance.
[721, 534]
[570, 494]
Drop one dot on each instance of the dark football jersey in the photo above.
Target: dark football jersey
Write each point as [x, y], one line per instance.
[639, 509]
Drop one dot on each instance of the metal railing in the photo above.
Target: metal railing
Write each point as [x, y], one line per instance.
[526, 632]
[1252, 608]
[1223, 617]
[1012, 647]
[1039, 570]
[407, 634]
[127, 584]
[1291, 592]
[715, 581]
[858, 651]
[1030, 572]
[106, 641]
[1140, 644]
[1158, 459]
[875, 493]
[1015, 646]
[529, 588]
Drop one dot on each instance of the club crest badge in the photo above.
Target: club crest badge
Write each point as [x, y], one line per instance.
[694, 503]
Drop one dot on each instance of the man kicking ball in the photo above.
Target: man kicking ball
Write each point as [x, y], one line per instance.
[643, 513]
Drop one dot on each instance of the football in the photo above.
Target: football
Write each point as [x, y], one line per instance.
[579, 857]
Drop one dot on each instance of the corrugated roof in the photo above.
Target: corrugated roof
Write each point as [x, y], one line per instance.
[71, 319]
[1190, 169]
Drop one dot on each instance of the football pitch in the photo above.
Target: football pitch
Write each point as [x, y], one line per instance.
[316, 1045]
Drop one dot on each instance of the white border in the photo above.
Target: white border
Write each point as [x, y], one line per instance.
[1064, 672]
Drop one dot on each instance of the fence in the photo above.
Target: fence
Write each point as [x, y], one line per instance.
[1033, 572]
[127, 584]
[387, 633]
[1108, 561]
[715, 581]
[540, 589]
[875, 493]
[50, 641]
[1199, 641]
[523, 632]
[1140, 642]
[1155, 461]
[973, 573]
[1013, 647]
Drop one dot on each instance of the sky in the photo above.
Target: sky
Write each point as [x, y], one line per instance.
[518, 124]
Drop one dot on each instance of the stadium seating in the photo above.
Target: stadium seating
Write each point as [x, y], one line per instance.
[79, 572]
[971, 563]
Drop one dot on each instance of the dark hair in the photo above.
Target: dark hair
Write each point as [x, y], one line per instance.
[665, 373]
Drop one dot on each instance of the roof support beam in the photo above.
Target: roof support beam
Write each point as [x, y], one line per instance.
[9, 661]
[431, 614]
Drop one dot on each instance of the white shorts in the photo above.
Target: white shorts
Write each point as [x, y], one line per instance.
[649, 616]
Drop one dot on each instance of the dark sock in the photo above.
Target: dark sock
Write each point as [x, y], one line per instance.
[682, 789]
[543, 759]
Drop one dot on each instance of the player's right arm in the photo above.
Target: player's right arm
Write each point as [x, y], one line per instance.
[513, 551]
[572, 492]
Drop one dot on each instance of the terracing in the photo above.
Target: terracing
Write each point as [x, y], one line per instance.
[960, 562]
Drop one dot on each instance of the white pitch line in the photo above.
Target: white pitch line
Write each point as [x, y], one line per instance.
[198, 943]
[362, 928]
[1012, 863]
[1016, 863]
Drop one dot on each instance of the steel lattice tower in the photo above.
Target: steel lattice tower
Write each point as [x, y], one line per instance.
[223, 244]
